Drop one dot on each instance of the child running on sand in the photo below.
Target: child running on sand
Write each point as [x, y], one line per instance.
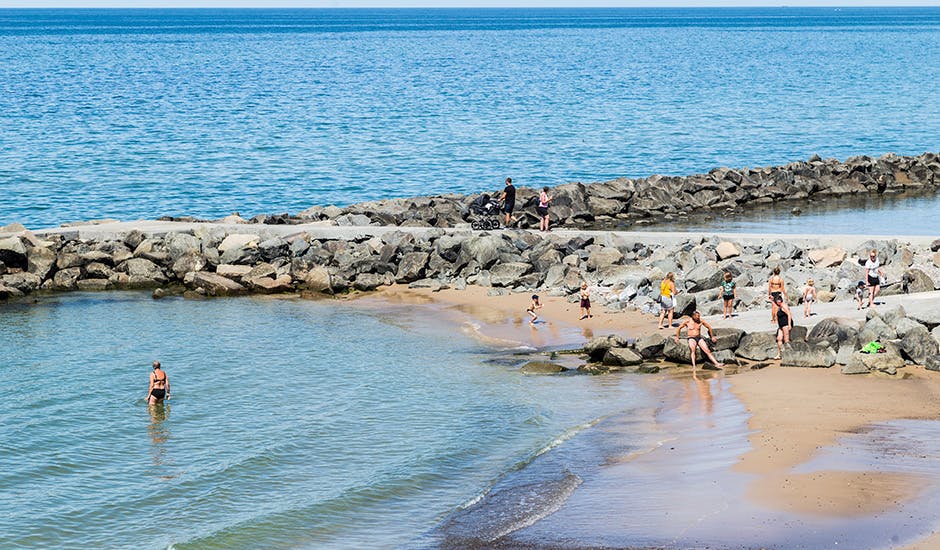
[809, 296]
[534, 305]
[728, 294]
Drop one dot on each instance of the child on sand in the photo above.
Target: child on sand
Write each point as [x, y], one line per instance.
[728, 294]
[585, 302]
[534, 305]
[809, 296]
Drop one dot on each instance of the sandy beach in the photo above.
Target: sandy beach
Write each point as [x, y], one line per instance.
[794, 415]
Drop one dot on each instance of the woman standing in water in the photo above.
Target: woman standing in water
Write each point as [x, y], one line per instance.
[159, 385]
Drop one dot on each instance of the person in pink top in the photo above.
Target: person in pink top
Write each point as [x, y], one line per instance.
[542, 209]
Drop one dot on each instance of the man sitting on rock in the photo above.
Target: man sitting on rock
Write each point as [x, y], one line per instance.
[696, 340]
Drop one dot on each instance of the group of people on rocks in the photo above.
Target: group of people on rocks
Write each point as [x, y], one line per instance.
[780, 312]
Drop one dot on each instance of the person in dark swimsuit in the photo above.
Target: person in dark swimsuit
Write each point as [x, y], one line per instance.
[784, 324]
[585, 302]
[159, 385]
[509, 201]
[696, 339]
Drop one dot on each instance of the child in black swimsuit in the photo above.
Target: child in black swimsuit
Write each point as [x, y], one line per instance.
[784, 324]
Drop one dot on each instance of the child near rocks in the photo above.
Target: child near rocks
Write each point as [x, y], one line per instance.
[533, 306]
[728, 294]
[809, 297]
[860, 293]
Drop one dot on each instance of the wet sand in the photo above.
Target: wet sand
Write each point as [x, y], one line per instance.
[780, 448]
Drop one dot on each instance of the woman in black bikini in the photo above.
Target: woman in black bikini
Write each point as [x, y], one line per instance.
[159, 385]
[784, 324]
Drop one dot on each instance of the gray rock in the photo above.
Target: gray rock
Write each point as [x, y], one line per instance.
[191, 261]
[143, 269]
[706, 276]
[932, 363]
[679, 352]
[259, 271]
[917, 345]
[876, 329]
[542, 367]
[726, 338]
[66, 279]
[785, 249]
[318, 279]
[508, 274]
[855, 367]
[604, 257]
[133, 239]
[368, 281]
[622, 276]
[40, 261]
[66, 260]
[180, 244]
[834, 332]
[885, 362]
[412, 266]
[231, 271]
[650, 346]
[727, 249]
[24, 282]
[758, 346]
[622, 357]
[904, 325]
[98, 270]
[685, 304]
[930, 317]
[13, 252]
[803, 354]
[271, 285]
[915, 280]
[216, 285]
[597, 347]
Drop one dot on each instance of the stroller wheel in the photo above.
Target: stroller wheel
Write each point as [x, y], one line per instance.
[494, 223]
[476, 226]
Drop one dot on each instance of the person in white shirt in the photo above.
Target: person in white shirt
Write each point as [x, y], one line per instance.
[873, 275]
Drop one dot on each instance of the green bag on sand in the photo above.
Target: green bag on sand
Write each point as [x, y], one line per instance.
[872, 347]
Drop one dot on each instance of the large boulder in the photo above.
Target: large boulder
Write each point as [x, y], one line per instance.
[412, 267]
[726, 338]
[597, 347]
[141, 269]
[929, 317]
[706, 276]
[758, 346]
[622, 357]
[508, 274]
[933, 363]
[188, 262]
[368, 281]
[804, 354]
[685, 304]
[727, 250]
[917, 345]
[915, 280]
[650, 346]
[318, 279]
[827, 257]
[40, 261]
[66, 279]
[234, 248]
[13, 252]
[215, 284]
[180, 244]
[484, 250]
[604, 257]
[876, 329]
[785, 249]
[271, 285]
[680, 352]
[622, 276]
[834, 332]
[24, 282]
[232, 271]
[885, 362]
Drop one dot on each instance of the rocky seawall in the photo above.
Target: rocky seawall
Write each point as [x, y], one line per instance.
[909, 338]
[620, 203]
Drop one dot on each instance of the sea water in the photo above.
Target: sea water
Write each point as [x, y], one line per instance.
[292, 423]
[143, 113]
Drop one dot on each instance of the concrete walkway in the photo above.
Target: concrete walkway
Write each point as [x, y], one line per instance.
[323, 230]
[759, 320]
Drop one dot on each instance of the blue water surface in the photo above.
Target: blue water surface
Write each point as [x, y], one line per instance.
[142, 113]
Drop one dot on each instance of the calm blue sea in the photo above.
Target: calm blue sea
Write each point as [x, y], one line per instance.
[141, 113]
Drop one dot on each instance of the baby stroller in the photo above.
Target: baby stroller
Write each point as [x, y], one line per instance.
[485, 210]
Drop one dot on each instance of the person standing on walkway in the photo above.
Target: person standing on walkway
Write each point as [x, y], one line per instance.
[873, 275]
[159, 385]
[585, 296]
[667, 298]
[776, 288]
[509, 201]
[542, 209]
[696, 339]
[809, 297]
